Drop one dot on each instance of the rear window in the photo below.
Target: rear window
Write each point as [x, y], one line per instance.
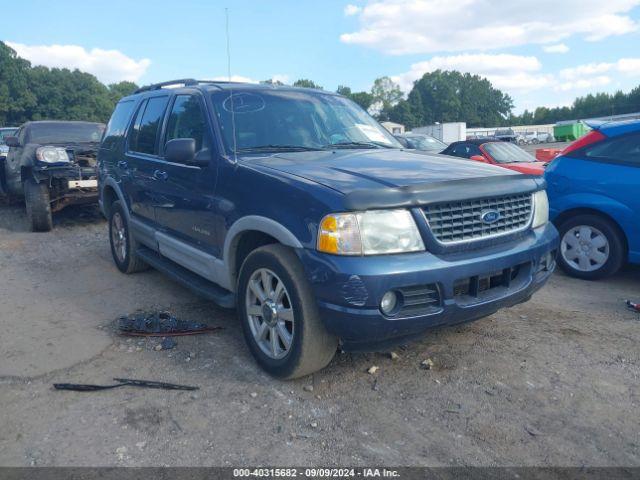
[145, 129]
[43, 133]
[6, 132]
[503, 152]
[117, 124]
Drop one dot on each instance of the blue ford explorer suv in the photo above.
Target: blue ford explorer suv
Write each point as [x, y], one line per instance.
[297, 207]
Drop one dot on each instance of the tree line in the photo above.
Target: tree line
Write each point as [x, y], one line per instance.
[36, 93]
[40, 93]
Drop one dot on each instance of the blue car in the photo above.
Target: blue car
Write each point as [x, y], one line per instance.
[594, 195]
[299, 209]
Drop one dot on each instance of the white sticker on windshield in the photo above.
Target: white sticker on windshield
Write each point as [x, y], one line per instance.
[372, 133]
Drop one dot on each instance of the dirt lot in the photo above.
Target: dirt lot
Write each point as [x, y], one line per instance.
[551, 382]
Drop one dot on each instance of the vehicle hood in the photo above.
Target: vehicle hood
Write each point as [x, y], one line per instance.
[349, 170]
[532, 168]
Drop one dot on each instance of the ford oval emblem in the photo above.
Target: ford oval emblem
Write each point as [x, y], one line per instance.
[490, 216]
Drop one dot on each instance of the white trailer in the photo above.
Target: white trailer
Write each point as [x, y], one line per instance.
[445, 132]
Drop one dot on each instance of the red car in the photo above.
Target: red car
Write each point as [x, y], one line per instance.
[496, 152]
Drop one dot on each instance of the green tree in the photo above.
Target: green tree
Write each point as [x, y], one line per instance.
[385, 94]
[364, 99]
[306, 83]
[16, 99]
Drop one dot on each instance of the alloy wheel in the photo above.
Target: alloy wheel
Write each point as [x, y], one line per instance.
[270, 313]
[119, 237]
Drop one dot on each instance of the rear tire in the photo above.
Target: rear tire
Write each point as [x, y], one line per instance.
[38, 204]
[304, 346]
[591, 247]
[123, 245]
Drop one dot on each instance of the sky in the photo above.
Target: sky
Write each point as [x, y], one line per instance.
[542, 53]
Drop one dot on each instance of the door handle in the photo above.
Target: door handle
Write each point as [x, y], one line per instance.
[160, 175]
[123, 165]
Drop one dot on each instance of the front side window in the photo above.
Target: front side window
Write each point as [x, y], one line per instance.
[504, 152]
[625, 149]
[187, 120]
[145, 129]
[281, 119]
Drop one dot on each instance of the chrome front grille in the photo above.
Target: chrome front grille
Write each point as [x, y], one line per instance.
[454, 222]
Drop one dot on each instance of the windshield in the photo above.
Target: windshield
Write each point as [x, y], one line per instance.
[281, 120]
[6, 132]
[427, 143]
[503, 152]
[65, 133]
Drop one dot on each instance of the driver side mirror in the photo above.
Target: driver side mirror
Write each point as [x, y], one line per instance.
[183, 150]
[479, 158]
[12, 141]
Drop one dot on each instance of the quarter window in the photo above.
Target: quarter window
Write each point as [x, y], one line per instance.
[187, 120]
[117, 124]
[145, 130]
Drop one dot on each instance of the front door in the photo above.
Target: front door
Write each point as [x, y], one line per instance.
[187, 203]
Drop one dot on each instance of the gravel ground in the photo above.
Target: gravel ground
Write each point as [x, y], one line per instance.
[550, 382]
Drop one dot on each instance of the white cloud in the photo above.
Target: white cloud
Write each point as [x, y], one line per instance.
[506, 72]
[280, 77]
[557, 48]
[625, 66]
[584, 83]
[234, 78]
[107, 65]
[423, 26]
[351, 10]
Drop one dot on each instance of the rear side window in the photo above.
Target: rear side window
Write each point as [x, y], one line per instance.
[117, 124]
[145, 129]
[187, 120]
[624, 149]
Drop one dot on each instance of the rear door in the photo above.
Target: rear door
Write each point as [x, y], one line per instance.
[188, 191]
[142, 164]
[614, 171]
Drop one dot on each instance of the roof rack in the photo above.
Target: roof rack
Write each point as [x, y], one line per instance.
[187, 82]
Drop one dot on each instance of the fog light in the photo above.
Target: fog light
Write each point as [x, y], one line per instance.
[388, 302]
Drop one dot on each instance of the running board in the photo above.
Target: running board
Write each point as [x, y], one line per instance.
[194, 282]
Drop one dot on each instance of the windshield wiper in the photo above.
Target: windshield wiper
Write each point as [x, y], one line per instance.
[278, 148]
[357, 145]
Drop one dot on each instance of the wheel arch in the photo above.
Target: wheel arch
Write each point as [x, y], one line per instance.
[249, 233]
[109, 193]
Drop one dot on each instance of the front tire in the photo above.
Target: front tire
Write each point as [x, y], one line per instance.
[591, 247]
[38, 203]
[279, 315]
[123, 245]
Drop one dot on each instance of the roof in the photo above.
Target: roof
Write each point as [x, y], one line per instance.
[58, 122]
[209, 85]
[479, 141]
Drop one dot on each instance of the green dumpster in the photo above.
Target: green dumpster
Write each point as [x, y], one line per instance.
[569, 131]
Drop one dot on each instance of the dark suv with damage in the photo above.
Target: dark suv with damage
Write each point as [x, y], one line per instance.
[52, 164]
[298, 208]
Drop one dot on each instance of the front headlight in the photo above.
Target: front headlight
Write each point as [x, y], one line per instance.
[374, 232]
[52, 155]
[540, 209]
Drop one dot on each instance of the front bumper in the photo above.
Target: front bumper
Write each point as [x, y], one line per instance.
[349, 289]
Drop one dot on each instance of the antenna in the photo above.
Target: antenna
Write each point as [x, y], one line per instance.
[233, 108]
